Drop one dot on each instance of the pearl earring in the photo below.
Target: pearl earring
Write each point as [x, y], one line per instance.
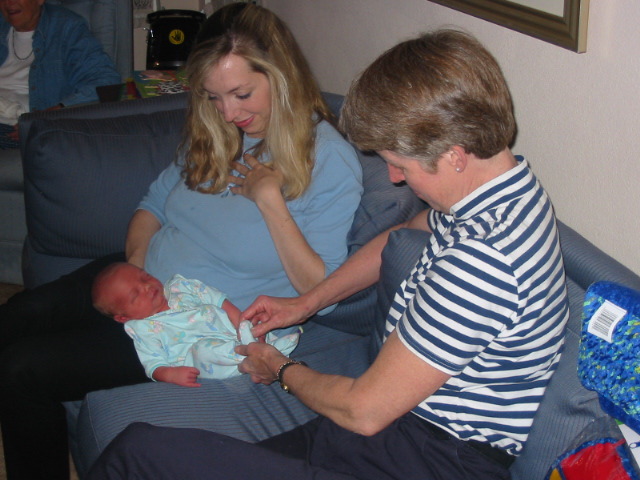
[458, 169]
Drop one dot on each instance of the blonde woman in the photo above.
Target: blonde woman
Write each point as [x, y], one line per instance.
[266, 189]
[260, 200]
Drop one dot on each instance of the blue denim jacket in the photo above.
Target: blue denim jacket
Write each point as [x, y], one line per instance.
[69, 63]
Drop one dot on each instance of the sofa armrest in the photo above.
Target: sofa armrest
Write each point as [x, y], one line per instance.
[585, 263]
[103, 110]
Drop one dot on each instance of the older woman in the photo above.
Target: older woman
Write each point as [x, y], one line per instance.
[48, 59]
[474, 333]
[261, 199]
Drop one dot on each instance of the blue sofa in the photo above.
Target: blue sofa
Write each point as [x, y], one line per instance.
[85, 170]
[110, 22]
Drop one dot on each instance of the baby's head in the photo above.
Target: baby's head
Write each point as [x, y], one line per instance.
[126, 292]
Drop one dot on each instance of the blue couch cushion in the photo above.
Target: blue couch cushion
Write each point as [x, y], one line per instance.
[235, 406]
[398, 259]
[383, 205]
[93, 160]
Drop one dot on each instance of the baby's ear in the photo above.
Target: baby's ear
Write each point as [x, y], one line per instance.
[121, 318]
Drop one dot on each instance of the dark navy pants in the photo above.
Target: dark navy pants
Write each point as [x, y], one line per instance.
[55, 347]
[408, 449]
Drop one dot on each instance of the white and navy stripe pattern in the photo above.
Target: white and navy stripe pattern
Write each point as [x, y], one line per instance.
[486, 303]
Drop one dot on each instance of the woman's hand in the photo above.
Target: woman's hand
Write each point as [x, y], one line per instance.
[262, 184]
[257, 182]
[268, 313]
[262, 362]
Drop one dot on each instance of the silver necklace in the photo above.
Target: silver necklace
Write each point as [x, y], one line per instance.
[13, 44]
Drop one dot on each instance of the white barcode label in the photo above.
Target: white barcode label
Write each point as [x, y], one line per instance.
[604, 321]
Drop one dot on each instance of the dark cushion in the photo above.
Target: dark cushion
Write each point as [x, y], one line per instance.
[383, 205]
[398, 259]
[74, 167]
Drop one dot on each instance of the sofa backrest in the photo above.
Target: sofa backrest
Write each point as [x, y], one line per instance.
[111, 23]
[86, 169]
[83, 179]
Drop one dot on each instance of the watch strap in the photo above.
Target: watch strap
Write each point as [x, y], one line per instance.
[281, 370]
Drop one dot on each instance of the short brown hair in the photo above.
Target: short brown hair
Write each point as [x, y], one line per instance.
[428, 94]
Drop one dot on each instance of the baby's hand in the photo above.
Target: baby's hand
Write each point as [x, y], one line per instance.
[183, 376]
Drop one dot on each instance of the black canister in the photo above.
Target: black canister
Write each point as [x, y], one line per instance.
[170, 37]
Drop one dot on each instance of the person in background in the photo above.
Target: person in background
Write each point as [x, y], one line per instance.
[260, 199]
[48, 59]
[474, 333]
[183, 330]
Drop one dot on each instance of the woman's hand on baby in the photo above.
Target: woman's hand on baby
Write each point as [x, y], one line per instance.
[268, 313]
[183, 376]
[257, 181]
[261, 362]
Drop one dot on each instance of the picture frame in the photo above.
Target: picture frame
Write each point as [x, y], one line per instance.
[560, 22]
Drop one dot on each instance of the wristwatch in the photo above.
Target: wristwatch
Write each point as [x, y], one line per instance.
[281, 370]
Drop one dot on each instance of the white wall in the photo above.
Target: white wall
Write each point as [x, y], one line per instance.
[578, 114]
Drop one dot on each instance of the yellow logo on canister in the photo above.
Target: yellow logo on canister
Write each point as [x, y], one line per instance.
[176, 37]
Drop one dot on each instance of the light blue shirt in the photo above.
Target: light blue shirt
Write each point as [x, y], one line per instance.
[223, 240]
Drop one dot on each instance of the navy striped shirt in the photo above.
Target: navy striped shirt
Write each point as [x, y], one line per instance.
[487, 304]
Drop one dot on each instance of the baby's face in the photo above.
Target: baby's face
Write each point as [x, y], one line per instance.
[136, 294]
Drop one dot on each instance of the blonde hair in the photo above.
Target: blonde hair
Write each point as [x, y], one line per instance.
[211, 144]
[425, 95]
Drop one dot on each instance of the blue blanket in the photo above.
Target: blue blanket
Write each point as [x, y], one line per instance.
[609, 356]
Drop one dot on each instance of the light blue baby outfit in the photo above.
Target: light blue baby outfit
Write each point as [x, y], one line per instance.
[197, 332]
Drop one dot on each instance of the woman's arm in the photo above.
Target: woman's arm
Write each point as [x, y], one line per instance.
[142, 227]
[150, 216]
[360, 271]
[304, 267]
[397, 381]
[262, 185]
